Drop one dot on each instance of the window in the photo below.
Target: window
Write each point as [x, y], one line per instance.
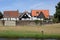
[37, 13]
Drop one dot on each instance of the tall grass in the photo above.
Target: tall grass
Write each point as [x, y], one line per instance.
[49, 31]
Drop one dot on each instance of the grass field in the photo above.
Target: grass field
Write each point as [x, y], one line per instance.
[50, 30]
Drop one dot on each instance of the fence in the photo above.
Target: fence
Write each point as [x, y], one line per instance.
[22, 22]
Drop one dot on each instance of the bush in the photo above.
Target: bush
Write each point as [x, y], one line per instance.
[55, 20]
[38, 22]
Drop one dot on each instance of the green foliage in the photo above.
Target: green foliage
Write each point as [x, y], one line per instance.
[37, 21]
[19, 34]
[1, 15]
[57, 14]
[55, 20]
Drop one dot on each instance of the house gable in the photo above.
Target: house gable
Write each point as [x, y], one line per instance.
[41, 15]
[25, 16]
[45, 12]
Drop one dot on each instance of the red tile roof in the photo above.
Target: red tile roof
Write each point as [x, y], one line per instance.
[11, 14]
[45, 12]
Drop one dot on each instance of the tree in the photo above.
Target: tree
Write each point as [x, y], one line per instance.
[1, 15]
[57, 14]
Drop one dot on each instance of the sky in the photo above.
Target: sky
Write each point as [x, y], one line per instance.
[28, 5]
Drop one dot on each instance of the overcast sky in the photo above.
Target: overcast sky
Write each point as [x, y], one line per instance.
[28, 5]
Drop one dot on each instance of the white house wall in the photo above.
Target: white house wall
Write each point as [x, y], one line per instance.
[11, 19]
[4, 18]
[14, 18]
[32, 18]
